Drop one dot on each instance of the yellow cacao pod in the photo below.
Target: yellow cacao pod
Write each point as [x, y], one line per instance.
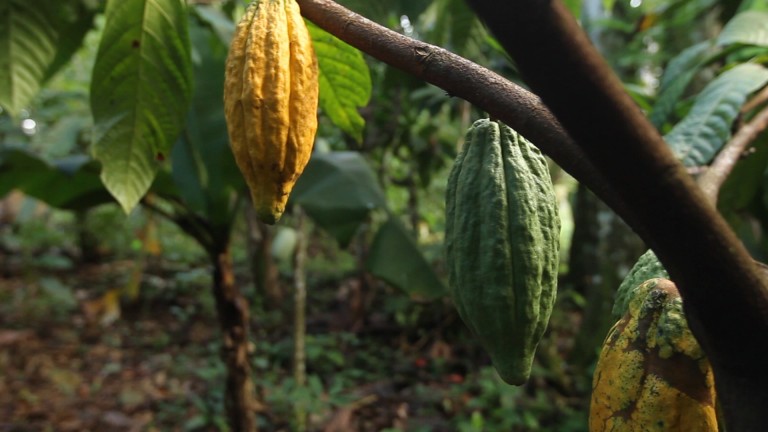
[651, 375]
[270, 101]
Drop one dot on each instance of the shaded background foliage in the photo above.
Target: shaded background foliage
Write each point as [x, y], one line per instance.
[382, 338]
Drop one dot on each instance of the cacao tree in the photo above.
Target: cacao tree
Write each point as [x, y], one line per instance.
[201, 191]
[578, 113]
[590, 114]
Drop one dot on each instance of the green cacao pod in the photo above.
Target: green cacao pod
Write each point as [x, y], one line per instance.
[502, 243]
[647, 267]
[651, 375]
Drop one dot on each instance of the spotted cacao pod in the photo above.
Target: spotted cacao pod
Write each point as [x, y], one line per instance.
[270, 101]
[652, 375]
[502, 244]
[647, 267]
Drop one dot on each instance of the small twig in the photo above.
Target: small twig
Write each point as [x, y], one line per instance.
[755, 101]
[714, 177]
[362, 402]
[149, 202]
[186, 221]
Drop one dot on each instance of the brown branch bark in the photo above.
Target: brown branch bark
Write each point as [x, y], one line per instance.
[502, 99]
[714, 177]
[726, 301]
[232, 310]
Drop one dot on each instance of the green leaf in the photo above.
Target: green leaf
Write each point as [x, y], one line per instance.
[19, 168]
[745, 5]
[452, 25]
[204, 168]
[707, 127]
[140, 92]
[338, 190]
[71, 183]
[75, 185]
[345, 81]
[37, 38]
[575, 7]
[395, 258]
[749, 231]
[748, 28]
[677, 75]
[744, 182]
[218, 22]
[28, 38]
[74, 20]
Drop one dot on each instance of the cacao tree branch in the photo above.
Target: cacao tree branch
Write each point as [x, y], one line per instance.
[726, 301]
[714, 177]
[502, 99]
[186, 221]
[756, 101]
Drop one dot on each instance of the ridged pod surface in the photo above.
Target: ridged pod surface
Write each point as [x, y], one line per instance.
[647, 267]
[270, 101]
[651, 375]
[502, 244]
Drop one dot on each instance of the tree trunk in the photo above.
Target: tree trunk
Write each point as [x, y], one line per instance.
[232, 309]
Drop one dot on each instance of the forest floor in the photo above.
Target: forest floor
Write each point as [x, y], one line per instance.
[74, 357]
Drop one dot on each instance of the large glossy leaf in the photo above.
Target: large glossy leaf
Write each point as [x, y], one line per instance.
[707, 127]
[37, 37]
[140, 92]
[749, 28]
[677, 75]
[395, 258]
[74, 21]
[217, 21]
[19, 168]
[338, 190]
[204, 169]
[345, 81]
[71, 183]
[28, 36]
[75, 185]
